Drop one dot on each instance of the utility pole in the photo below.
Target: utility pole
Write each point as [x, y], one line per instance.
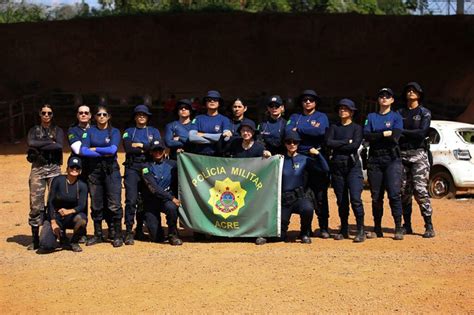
[460, 7]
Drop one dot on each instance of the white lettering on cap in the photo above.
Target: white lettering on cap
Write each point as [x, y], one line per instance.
[274, 99]
[75, 161]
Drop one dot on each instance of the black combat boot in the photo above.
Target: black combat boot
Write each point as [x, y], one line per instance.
[110, 231]
[97, 237]
[174, 240]
[398, 229]
[429, 231]
[344, 231]
[129, 236]
[323, 228]
[360, 237]
[407, 229]
[377, 229]
[260, 241]
[118, 241]
[35, 234]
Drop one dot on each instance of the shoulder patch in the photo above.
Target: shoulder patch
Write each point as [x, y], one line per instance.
[125, 135]
[84, 135]
[366, 122]
[194, 121]
[70, 136]
[288, 122]
[145, 171]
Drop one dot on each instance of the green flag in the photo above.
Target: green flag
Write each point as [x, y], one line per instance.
[231, 197]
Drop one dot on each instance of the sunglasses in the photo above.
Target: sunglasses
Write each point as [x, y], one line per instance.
[102, 114]
[412, 90]
[385, 95]
[212, 100]
[184, 108]
[291, 142]
[75, 167]
[46, 113]
[83, 113]
[308, 99]
[273, 105]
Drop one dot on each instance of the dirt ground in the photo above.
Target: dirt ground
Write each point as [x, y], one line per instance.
[383, 276]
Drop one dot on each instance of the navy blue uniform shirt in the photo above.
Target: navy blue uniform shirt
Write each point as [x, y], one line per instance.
[294, 169]
[106, 142]
[338, 139]
[67, 196]
[311, 129]
[271, 133]
[377, 123]
[161, 179]
[416, 124]
[145, 136]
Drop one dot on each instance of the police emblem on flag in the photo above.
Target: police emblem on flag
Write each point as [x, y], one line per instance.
[226, 198]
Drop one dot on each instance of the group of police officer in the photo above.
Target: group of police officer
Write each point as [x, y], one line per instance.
[315, 155]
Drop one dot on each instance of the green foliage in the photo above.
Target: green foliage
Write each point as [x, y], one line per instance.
[12, 11]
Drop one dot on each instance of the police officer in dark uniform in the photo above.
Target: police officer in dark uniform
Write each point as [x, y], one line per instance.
[67, 209]
[272, 131]
[295, 199]
[161, 179]
[414, 152]
[100, 147]
[245, 146]
[384, 167]
[311, 125]
[177, 132]
[45, 143]
[136, 141]
[344, 139]
[207, 129]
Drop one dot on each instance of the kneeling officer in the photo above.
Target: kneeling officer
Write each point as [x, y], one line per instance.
[67, 209]
[161, 179]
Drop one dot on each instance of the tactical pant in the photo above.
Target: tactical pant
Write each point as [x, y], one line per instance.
[415, 175]
[105, 188]
[76, 221]
[302, 206]
[133, 185]
[385, 173]
[40, 178]
[348, 182]
[319, 184]
[153, 209]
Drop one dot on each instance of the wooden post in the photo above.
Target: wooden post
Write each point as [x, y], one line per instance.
[23, 121]
[11, 122]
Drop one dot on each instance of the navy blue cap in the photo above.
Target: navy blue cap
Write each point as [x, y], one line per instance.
[184, 102]
[213, 94]
[385, 90]
[157, 145]
[414, 85]
[348, 103]
[311, 93]
[292, 135]
[142, 109]
[74, 161]
[275, 99]
[249, 123]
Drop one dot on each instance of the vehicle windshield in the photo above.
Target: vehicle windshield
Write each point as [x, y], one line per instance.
[467, 135]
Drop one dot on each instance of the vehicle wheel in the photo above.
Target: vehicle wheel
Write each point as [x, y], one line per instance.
[441, 185]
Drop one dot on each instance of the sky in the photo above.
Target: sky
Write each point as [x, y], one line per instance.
[91, 3]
